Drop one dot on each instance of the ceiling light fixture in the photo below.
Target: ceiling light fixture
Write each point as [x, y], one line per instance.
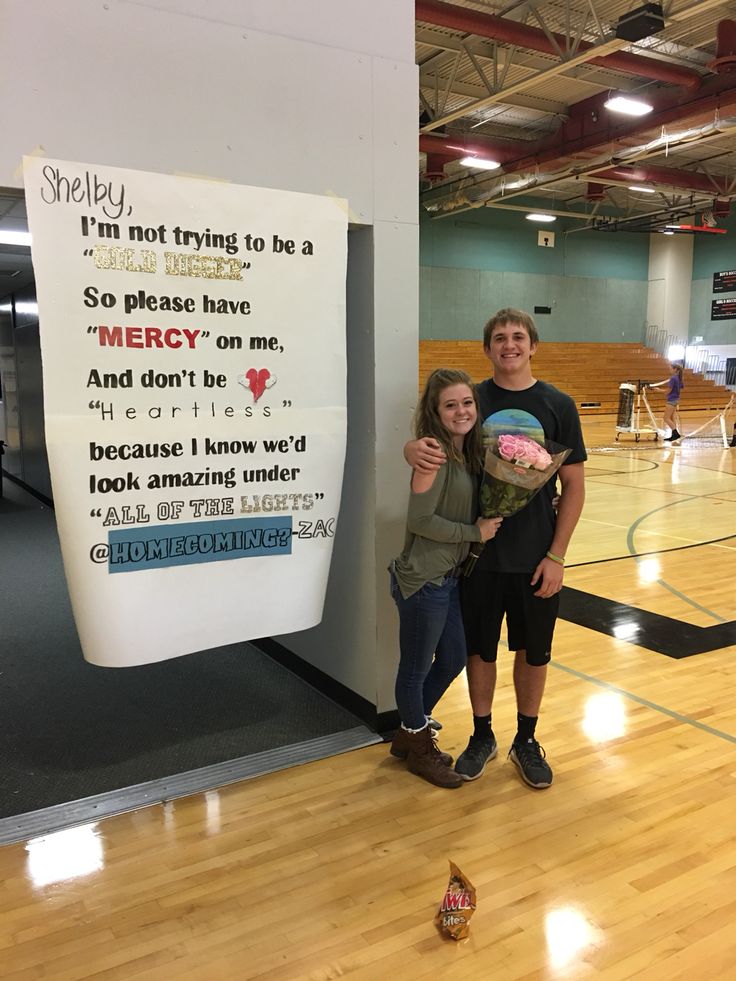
[640, 187]
[540, 217]
[480, 163]
[15, 238]
[630, 107]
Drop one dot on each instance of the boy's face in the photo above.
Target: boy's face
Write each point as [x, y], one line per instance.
[510, 349]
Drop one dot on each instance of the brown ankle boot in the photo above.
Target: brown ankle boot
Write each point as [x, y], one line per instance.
[425, 760]
[400, 747]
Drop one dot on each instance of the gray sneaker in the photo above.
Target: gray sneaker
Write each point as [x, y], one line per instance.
[530, 759]
[472, 761]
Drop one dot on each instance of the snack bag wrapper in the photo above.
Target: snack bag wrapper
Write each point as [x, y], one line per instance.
[457, 906]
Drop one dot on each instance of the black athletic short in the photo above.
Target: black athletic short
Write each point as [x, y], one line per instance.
[530, 620]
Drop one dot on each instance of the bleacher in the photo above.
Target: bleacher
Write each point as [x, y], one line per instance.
[590, 372]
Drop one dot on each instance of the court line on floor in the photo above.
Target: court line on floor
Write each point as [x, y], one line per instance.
[590, 469]
[606, 685]
[650, 490]
[645, 629]
[691, 602]
[679, 492]
[663, 463]
[642, 555]
[661, 534]
[661, 582]
[691, 466]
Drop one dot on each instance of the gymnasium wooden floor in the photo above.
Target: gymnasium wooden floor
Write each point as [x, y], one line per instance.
[624, 868]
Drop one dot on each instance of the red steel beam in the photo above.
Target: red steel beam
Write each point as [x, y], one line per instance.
[588, 129]
[510, 32]
[644, 173]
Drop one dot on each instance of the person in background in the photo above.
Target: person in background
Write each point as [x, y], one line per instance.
[440, 526]
[675, 386]
[519, 574]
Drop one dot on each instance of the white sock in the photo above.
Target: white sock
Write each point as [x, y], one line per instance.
[414, 731]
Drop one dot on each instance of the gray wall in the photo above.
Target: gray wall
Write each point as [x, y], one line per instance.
[315, 97]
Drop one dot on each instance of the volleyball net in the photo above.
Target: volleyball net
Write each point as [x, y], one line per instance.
[636, 417]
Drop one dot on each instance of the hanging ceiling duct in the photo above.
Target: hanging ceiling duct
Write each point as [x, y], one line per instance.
[665, 176]
[608, 167]
[511, 32]
[717, 96]
[595, 192]
[724, 62]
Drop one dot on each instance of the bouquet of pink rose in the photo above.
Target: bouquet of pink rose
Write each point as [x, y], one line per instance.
[515, 469]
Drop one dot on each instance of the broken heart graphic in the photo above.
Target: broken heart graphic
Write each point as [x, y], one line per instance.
[257, 380]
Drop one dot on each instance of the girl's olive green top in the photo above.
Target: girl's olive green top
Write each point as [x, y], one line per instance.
[439, 529]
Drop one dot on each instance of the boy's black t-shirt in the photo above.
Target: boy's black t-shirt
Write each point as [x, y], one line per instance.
[542, 412]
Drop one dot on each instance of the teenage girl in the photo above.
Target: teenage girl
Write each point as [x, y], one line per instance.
[440, 527]
[676, 385]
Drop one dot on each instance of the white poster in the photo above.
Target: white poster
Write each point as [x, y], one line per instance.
[193, 345]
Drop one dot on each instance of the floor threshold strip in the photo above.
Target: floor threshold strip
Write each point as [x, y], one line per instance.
[60, 816]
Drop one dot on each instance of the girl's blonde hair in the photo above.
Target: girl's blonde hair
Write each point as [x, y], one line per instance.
[678, 368]
[427, 420]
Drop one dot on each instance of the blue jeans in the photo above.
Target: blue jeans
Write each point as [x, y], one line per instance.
[432, 648]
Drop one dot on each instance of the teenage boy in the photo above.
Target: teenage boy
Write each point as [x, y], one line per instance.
[519, 573]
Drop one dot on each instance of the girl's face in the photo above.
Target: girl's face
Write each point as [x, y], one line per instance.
[457, 412]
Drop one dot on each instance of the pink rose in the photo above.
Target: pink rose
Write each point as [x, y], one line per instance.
[507, 447]
[523, 450]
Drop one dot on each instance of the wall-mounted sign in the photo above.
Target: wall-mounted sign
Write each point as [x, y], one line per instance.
[723, 309]
[193, 344]
[724, 282]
